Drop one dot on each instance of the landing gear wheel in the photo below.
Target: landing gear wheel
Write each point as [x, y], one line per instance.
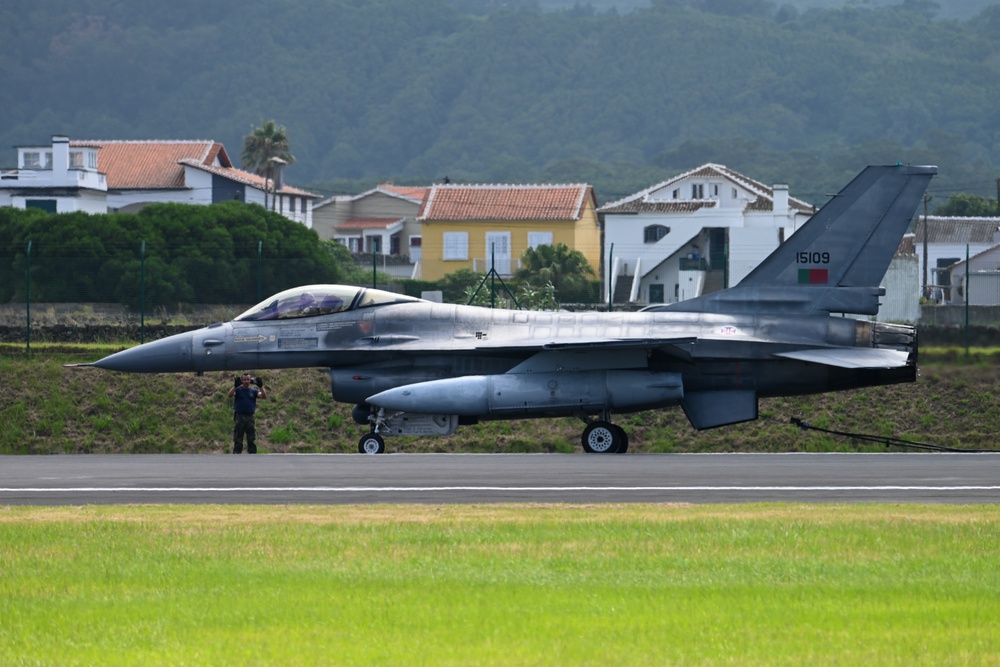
[371, 443]
[623, 447]
[601, 437]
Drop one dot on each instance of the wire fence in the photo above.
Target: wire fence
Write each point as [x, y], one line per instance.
[135, 284]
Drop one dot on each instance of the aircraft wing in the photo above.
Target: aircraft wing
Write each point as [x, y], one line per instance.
[850, 357]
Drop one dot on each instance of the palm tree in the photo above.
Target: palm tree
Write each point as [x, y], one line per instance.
[262, 148]
[567, 270]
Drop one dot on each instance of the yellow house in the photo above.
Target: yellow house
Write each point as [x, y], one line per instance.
[480, 227]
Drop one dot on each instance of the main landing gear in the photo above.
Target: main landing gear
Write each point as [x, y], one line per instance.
[603, 437]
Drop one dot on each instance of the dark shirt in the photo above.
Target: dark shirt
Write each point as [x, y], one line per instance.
[245, 400]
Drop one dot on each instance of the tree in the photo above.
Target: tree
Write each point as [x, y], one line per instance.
[968, 206]
[566, 270]
[263, 148]
[455, 286]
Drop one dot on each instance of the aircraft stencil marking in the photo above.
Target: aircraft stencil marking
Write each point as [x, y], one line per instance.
[250, 339]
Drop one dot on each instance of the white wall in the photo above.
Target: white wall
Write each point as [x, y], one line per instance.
[88, 202]
[901, 302]
[748, 247]
[937, 251]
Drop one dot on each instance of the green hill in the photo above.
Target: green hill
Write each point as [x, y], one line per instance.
[488, 91]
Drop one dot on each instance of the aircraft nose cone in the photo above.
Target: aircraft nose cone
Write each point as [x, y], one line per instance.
[169, 355]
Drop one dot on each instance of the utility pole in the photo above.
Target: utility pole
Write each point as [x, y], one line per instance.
[926, 292]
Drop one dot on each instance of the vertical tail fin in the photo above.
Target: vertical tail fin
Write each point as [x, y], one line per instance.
[836, 260]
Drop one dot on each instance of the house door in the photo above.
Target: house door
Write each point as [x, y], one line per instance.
[498, 250]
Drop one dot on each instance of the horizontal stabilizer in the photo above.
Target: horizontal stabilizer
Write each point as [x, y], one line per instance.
[851, 357]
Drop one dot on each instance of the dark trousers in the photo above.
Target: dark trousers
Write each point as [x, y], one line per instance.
[244, 423]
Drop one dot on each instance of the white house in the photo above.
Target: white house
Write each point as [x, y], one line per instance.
[977, 279]
[57, 178]
[381, 220]
[944, 241]
[696, 233]
[111, 176]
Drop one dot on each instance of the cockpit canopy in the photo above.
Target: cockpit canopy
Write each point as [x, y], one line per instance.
[312, 300]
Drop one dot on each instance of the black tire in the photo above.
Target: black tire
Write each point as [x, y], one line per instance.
[623, 435]
[371, 443]
[601, 437]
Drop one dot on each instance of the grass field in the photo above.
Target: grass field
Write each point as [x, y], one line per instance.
[501, 585]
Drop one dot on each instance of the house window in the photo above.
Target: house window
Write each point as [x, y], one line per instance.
[415, 241]
[456, 245]
[536, 239]
[92, 159]
[33, 160]
[677, 193]
[654, 233]
[291, 204]
[715, 189]
[303, 204]
[656, 293]
[735, 193]
[76, 160]
[697, 191]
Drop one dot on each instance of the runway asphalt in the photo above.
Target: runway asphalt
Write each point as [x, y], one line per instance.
[499, 478]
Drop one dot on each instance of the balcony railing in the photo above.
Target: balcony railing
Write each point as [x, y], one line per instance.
[692, 264]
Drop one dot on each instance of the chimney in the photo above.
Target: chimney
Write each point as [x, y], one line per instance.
[780, 200]
[60, 156]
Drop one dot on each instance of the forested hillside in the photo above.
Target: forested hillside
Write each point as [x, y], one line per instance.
[415, 90]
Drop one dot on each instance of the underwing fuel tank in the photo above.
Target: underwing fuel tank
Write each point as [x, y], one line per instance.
[535, 393]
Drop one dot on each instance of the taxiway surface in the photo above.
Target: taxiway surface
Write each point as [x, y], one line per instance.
[491, 478]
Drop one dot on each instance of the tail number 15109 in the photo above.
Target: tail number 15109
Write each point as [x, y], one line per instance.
[806, 257]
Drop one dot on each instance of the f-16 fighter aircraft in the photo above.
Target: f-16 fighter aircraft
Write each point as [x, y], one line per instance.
[412, 367]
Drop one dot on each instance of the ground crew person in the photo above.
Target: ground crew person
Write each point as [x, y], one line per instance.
[244, 406]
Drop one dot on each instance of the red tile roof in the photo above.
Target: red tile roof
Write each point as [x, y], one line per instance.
[152, 165]
[647, 201]
[245, 177]
[410, 192]
[159, 164]
[907, 245]
[505, 202]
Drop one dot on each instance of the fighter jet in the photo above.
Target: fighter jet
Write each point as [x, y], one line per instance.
[413, 367]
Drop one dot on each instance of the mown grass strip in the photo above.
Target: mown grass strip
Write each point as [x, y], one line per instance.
[500, 585]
